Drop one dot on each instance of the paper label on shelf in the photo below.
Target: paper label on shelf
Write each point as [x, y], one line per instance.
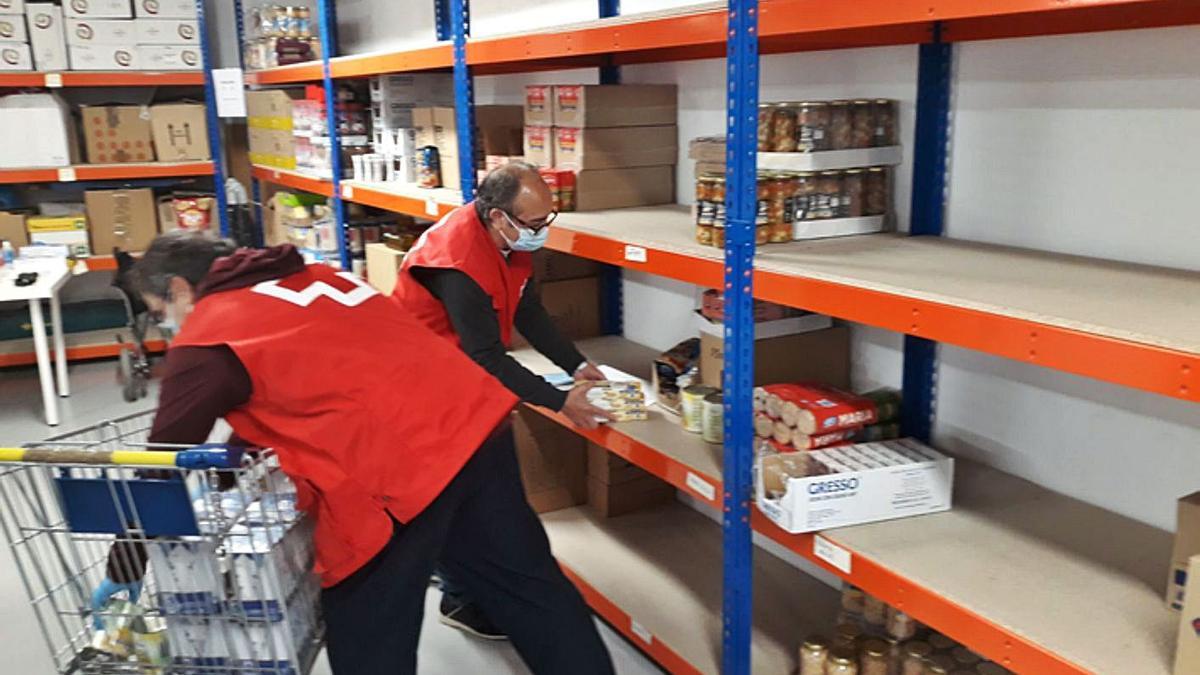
[702, 487]
[54, 80]
[635, 253]
[831, 553]
[347, 191]
[66, 174]
[431, 206]
[639, 630]
[230, 89]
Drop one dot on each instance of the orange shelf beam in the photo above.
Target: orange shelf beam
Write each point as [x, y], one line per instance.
[121, 78]
[80, 353]
[309, 71]
[425, 58]
[293, 180]
[699, 271]
[106, 172]
[390, 201]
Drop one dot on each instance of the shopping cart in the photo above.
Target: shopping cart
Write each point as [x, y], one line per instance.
[149, 561]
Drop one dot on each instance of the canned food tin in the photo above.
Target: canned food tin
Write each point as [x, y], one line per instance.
[713, 418]
[692, 404]
[429, 173]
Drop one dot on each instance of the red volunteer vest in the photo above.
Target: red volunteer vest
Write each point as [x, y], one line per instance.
[369, 411]
[460, 241]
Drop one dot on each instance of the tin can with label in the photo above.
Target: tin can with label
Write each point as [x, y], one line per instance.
[430, 169]
[692, 404]
[713, 418]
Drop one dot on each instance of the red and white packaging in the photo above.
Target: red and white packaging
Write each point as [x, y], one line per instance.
[815, 409]
[562, 186]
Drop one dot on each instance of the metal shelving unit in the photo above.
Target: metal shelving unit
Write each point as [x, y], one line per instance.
[1120, 323]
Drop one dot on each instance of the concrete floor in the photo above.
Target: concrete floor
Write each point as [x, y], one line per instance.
[96, 397]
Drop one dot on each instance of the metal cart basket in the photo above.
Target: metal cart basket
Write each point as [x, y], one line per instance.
[161, 560]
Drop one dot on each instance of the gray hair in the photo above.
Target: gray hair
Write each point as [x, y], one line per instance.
[499, 188]
[178, 254]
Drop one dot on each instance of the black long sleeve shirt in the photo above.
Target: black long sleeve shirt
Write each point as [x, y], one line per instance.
[470, 310]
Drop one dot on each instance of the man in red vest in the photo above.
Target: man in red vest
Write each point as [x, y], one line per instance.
[398, 444]
[468, 278]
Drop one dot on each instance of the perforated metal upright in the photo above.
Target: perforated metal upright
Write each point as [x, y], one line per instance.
[212, 122]
[239, 19]
[741, 148]
[464, 97]
[928, 214]
[327, 25]
[612, 298]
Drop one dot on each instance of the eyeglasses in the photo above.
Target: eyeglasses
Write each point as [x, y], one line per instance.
[533, 226]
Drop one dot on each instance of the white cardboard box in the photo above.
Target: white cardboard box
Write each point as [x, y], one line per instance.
[116, 32]
[12, 6]
[859, 496]
[36, 130]
[167, 31]
[12, 28]
[165, 9]
[103, 57]
[47, 36]
[169, 58]
[75, 240]
[98, 9]
[15, 56]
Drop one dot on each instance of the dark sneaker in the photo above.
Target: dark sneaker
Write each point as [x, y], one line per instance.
[467, 617]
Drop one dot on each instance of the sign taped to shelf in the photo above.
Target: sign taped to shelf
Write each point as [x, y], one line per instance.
[640, 631]
[347, 191]
[54, 80]
[229, 85]
[700, 486]
[66, 174]
[431, 206]
[635, 253]
[831, 553]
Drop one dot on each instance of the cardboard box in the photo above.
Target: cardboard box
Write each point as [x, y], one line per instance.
[12, 228]
[1187, 647]
[170, 57]
[103, 57]
[70, 231]
[609, 500]
[615, 147]
[609, 468]
[923, 485]
[12, 28]
[499, 116]
[413, 89]
[552, 460]
[166, 9]
[98, 9]
[1187, 545]
[445, 132]
[422, 121]
[47, 36]
[15, 56]
[538, 146]
[12, 6]
[101, 32]
[618, 188]
[271, 108]
[574, 306]
[539, 106]
[180, 132]
[383, 267]
[614, 105]
[272, 147]
[167, 31]
[117, 134]
[554, 266]
[124, 219]
[820, 356]
[36, 130]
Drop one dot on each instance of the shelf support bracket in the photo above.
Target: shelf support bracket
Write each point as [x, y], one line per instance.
[328, 29]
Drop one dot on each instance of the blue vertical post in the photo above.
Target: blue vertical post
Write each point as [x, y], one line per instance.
[464, 97]
[741, 146]
[609, 73]
[612, 301]
[328, 31]
[928, 215]
[239, 18]
[212, 122]
[441, 19]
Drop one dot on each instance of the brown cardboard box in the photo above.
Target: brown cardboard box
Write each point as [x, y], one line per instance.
[445, 132]
[707, 149]
[451, 174]
[608, 500]
[701, 168]
[538, 145]
[609, 468]
[271, 108]
[12, 228]
[383, 267]
[554, 266]
[180, 132]
[512, 116]
[501, 140]
[613, 105]
[552, 460]
[1187, 646]
[1187, 544]
[614, 147]
[124, 219]
[618, 188]
[272, 147]
[821, 356]
[539, 105]
[423, 127]
[117, 134]
[574, 306]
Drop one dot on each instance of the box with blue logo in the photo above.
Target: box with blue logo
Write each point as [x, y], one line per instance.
[852, 484]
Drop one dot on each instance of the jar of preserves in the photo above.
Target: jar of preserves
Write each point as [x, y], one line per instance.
[842, 661]
[705, 206]
[875, 192]
[941, 643]
[813, 655]
[900, 625]
[862, 123]
[873, 658]
[704, 234]
[827, 197]
[933, 668]
[766, 126]
[762, 235]
[783, 128]
[718, 232]
[852, 598]
[812, 126]
[847, 635]
[940, 664]
[804, 188]
[852, 193]
[965, 658]
[885, 122]
[912, 662]
[761, 214]
[787, 190]
[839, 125]
[874, 610]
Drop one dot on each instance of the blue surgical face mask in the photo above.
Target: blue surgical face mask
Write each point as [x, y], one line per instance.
[527, 240]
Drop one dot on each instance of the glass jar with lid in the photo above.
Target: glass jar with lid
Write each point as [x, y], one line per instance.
[812, 126]
[766, 126]
[842, 661]
[847, 635]
[783, 127]
[852, 598]
[875, 192]
[853, 193]
[862, 123]
[839, 125]
[826, 203]
[912, 662]
[885, 122]
[940, 664]
[814, 652]
[873, 657]
[965, 658]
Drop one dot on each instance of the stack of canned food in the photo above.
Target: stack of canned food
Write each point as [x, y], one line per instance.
[278, 35]
[817, 126]
[785, 198]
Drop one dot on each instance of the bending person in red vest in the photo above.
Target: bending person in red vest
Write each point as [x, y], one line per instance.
[399, 446]
[468, 278]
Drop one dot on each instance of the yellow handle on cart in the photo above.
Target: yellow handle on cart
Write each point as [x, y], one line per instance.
[203, 457]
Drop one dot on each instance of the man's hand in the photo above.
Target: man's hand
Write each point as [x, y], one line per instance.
[588, 372]
[581, 413]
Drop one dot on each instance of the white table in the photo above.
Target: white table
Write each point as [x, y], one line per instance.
[51, 278]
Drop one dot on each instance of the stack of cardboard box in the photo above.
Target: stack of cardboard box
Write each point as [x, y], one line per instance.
[497, 133]
[105, 35]
[14, 38]
[620, 140]
[269, 119]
